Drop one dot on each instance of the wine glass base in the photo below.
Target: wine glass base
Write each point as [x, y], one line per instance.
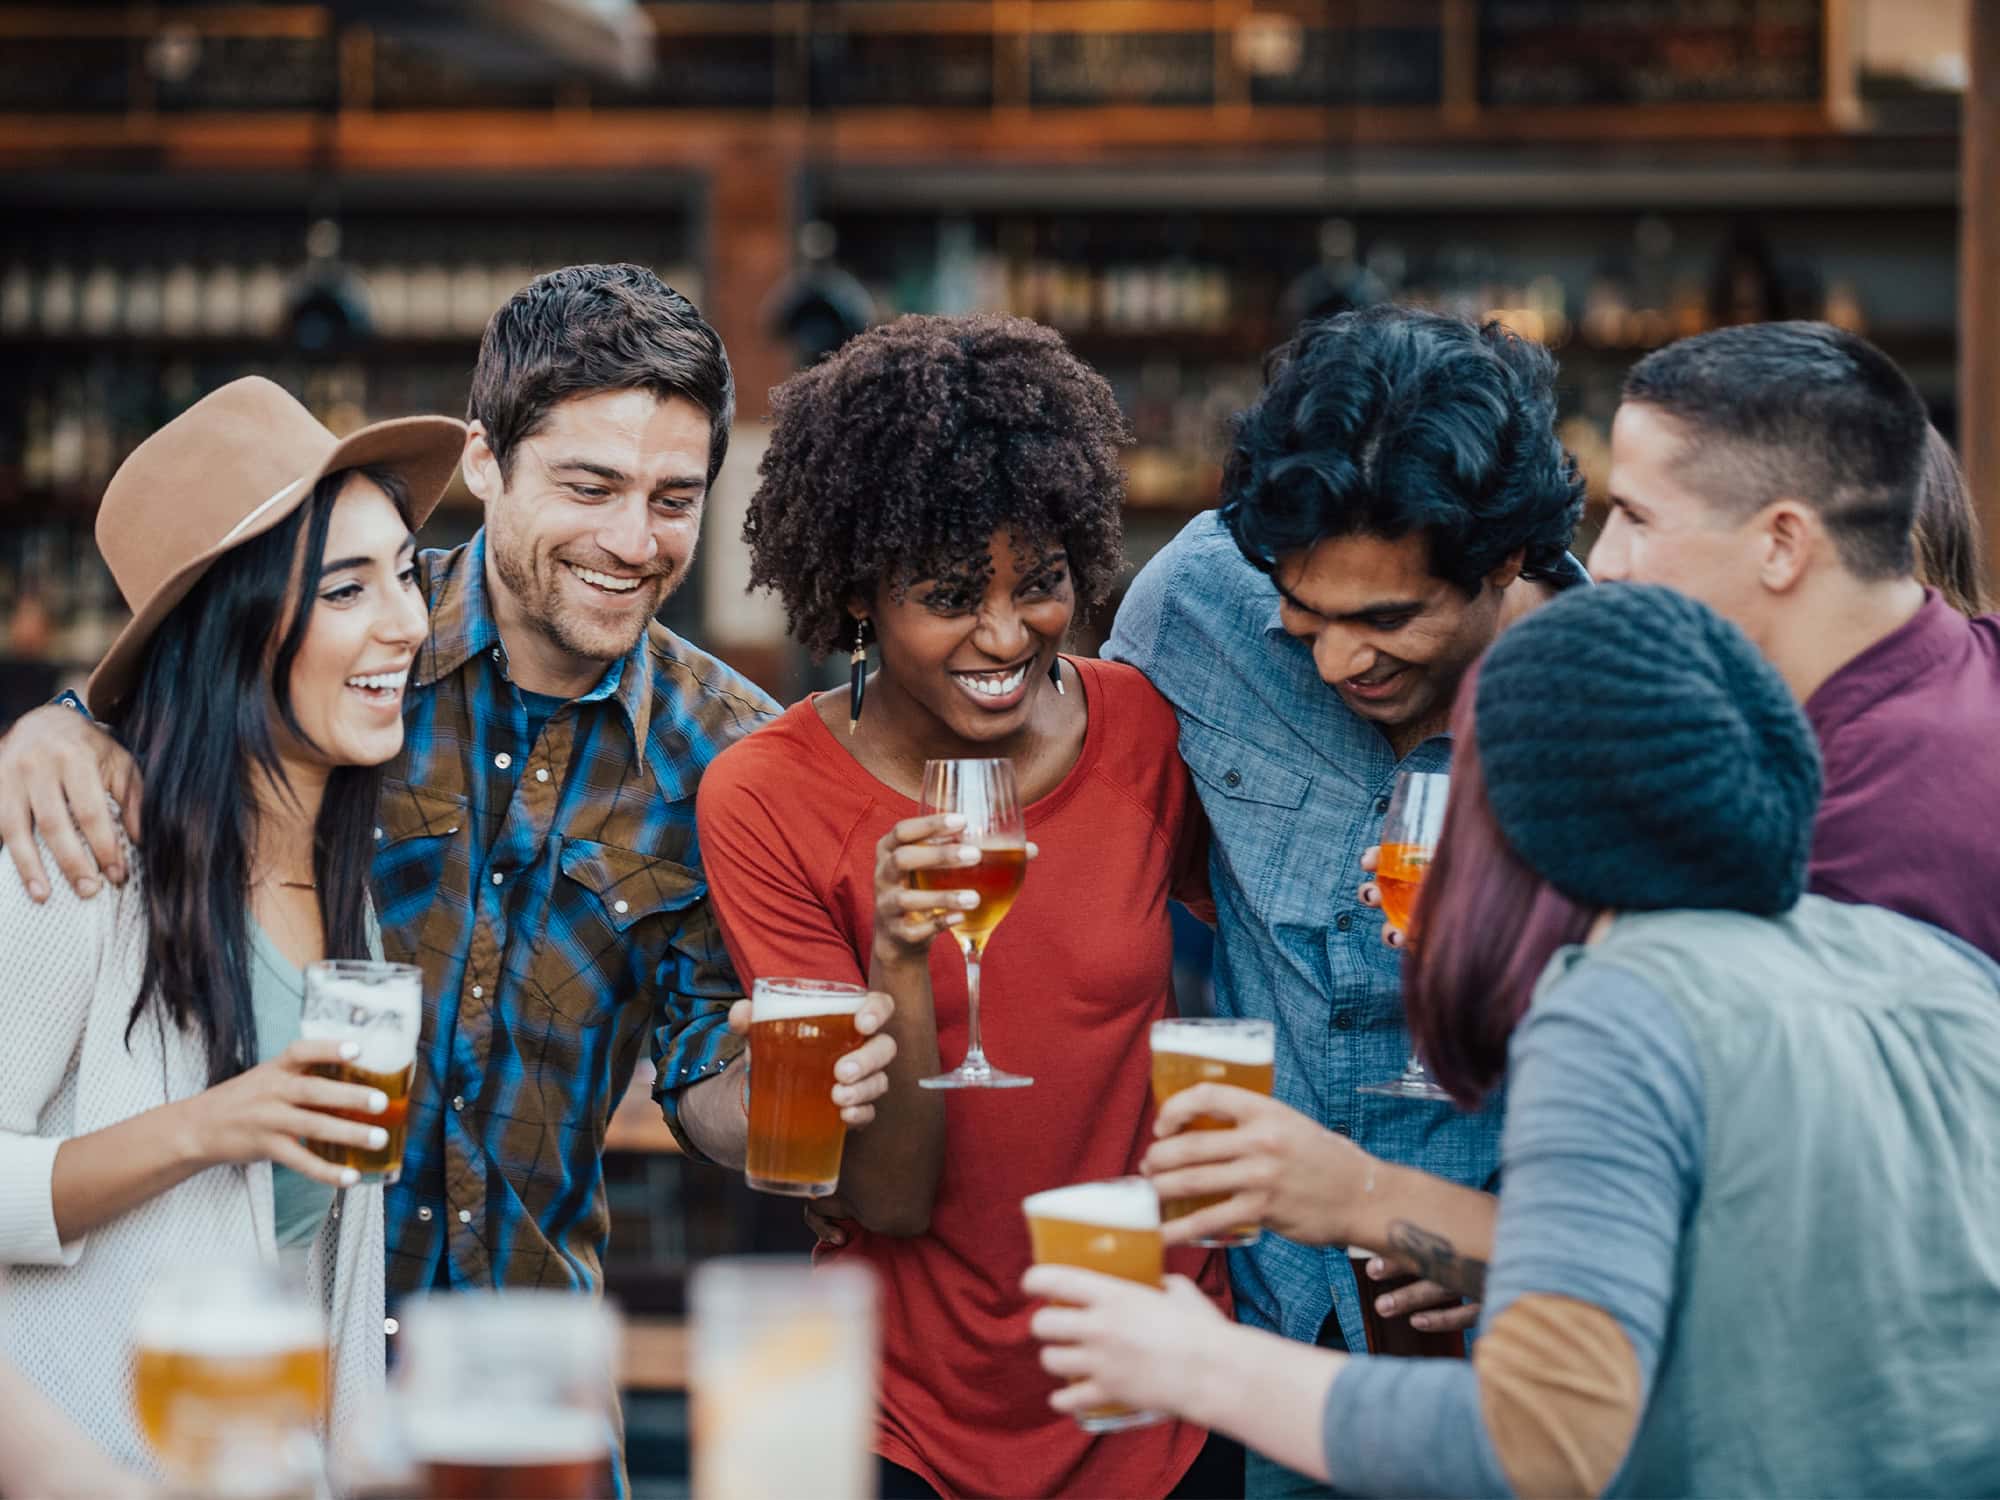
[963, 1077]
[1406, 1088]
[1123, 1421]
[1230, 1241]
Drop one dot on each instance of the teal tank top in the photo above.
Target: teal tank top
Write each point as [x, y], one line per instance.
[278, 995]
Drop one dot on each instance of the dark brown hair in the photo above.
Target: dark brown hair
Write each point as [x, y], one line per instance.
[899, 457]
[585, 329]
[1946, 532]
[199, 721]
[1489, 927]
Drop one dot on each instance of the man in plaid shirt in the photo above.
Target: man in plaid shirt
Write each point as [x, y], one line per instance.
[537, 853]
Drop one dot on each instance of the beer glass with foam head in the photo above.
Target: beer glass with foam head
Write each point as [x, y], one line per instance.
[379, 1008]
[1203, 1049]
[1410, 833]
[783, 1379]
[984, 794]
[508, 1395]
[229, 1367]
[1111, 1226]
[799, 1028]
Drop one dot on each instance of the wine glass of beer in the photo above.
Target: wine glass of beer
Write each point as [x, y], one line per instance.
[1410, 834]
[508, 1395]
[983, 793]
[799, 1028]
[1111, 1226]
[379, 1008]
[782, 1379]
[230, 1376]
[1205, 1049]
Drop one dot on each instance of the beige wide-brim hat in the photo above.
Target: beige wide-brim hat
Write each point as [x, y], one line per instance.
[227, 469]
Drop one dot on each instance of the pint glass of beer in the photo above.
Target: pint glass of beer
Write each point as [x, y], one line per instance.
[799, 1028]
[1396, 1336]
[1211, 1050]
[378, 1007]
[508, 1395]
[1112, 1226]
[230, 1377]
[783, 1379]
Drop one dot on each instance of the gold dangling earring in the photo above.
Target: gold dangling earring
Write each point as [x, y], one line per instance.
[857, 674]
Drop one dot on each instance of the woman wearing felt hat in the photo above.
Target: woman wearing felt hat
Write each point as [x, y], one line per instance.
[154, 1093]
[1748, 1240]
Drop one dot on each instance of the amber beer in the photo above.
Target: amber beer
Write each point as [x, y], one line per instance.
[503, 1453]
[378, 1007]
[996, 879]
[1397, 1336]
[1399, 874]
[210, 1377]
[1211, 1050]
[1113, 1227]
[799, 1028]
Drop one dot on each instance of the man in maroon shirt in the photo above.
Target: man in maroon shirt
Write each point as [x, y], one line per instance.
[1772, 471]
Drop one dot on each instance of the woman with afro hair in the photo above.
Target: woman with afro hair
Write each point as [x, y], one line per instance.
[946, 492]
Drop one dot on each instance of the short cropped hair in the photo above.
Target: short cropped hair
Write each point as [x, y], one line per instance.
[1802, 411]
[585, 329]
[1392, 420]
[898, 457]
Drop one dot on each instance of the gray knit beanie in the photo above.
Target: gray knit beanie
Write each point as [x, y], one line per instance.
[1640, 753]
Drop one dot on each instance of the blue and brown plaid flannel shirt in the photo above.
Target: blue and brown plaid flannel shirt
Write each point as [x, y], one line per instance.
[552, 893]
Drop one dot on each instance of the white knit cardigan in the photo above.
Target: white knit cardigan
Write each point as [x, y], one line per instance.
[69, 971]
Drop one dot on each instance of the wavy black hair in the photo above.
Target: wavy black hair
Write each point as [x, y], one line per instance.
[199, 723]
[1391, 420]
[898, 458]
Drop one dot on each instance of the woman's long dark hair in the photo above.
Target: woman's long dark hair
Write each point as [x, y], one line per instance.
[199, 722]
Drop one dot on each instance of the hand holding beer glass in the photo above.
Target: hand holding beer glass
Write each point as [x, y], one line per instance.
[1194, 1050]
[799, 1029]
[378, 1009]
[1112, 1227]
[983, 793]
[1410, 834]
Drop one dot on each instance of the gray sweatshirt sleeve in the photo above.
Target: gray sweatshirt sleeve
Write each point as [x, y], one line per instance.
[1602, 1154]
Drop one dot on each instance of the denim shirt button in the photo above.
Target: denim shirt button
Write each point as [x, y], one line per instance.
[1381, 804]
[1344, 921]
[1233, 778]
[1343, 1020]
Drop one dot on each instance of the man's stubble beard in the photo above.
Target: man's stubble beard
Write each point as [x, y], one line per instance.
[542, 608]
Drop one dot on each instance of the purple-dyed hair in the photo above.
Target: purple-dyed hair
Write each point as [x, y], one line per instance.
[1490, 925]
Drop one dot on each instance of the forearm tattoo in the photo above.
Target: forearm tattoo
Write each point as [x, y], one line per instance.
[1436, 1259]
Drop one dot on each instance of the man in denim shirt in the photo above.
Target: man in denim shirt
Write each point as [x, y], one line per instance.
[1395, 497]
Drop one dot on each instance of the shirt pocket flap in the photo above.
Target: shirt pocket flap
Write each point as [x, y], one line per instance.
[414, 812]
[1240, 770]
[628, 884]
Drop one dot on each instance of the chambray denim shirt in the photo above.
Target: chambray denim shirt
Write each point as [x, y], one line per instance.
[1295, 785]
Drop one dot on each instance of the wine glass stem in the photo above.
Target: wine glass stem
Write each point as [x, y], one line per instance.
[975, 1055]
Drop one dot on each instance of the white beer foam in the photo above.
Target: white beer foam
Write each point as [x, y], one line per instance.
[506, 1434]
[225, 1333]
[1117, 1203]
[796, 1005]
[1246, 1046]
[384, 1048]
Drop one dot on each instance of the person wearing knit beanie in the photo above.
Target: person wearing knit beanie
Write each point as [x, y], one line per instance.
[1640, 754]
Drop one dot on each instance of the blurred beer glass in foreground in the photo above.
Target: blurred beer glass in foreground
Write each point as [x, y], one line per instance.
[1211, 1050]
[508, 1395]
[799, 1028]
[783, 1379]
[230, 1378]
[378, 1007]
[1113, 1227]
[1396, 1336]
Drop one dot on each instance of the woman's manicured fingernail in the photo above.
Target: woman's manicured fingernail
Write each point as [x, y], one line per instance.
[377, 1138]
[37, 891]
[966, 899]
[953, 822]
[87, 888]
[1386, 1304]
[117, 874]
[348, 1177]
[349, 1051]
[968, 854]
[953, 918]
[845, 1072]
[377, 1102]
